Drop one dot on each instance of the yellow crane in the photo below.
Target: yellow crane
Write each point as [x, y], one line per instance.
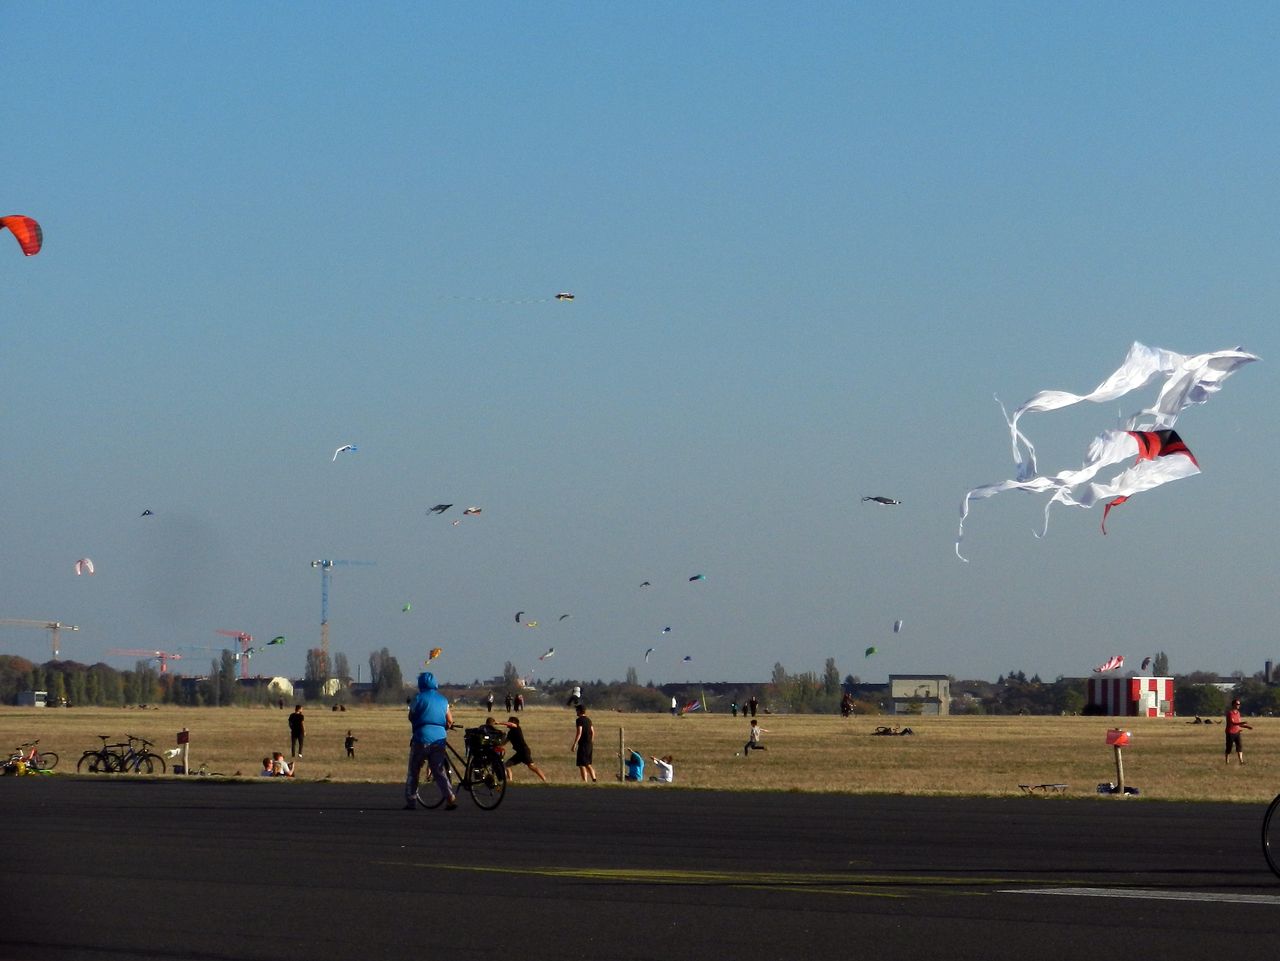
[54, 627]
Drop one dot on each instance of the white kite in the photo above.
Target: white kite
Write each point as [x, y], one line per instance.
[1161, 456]
[550, 653]
[1113, 663]
[343, 449]
[84, 566]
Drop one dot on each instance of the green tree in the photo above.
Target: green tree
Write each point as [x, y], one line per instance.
[831, 678]
[384, 673]
[1160, 664]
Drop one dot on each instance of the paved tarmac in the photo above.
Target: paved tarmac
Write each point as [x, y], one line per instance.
[273, 870]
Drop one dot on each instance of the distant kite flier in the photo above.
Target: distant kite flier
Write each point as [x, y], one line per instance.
[897, 626]
[147, 513]
[434, 653]
[886, 501]
[647, 653]
[1147, 435]
[550, 653]
[84, 566]
[698, 577]
[869, 651]
[344, 449]
[439, 509]
[564, 295]
[278, 639]
[30, 236]
[1112, 664]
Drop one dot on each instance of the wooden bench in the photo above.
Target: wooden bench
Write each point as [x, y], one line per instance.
[1043, 788]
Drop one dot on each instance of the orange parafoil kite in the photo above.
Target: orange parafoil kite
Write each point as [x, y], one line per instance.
[30, 236]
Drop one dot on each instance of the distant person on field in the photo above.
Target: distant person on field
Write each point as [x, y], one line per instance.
[350, 744]
[753, 739]
[666, 770]
[584, 735]
[752, 705]
[297, 730]
[488, 702]
[1234, 726]
[507, 702]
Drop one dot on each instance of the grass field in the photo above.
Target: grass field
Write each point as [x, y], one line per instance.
[1169, 759]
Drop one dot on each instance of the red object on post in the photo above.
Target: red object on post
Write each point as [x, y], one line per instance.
[1117, 737]
[184, 736]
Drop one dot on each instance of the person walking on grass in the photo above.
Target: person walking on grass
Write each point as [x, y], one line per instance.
[350, 744]
[584, 735]
[753, 739]
[1234, 726]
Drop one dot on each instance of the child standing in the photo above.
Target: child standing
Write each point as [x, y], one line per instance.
[753, 740]
[350, 743]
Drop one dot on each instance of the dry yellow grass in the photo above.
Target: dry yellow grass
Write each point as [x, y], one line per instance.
[1169, 758]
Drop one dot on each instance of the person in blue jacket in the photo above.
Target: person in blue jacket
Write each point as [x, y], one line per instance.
[635, 767]
[431, 717]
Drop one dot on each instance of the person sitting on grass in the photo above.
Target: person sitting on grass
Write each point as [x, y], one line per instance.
[280, 767]
[635, 767]
[666, 770]
[266, 768]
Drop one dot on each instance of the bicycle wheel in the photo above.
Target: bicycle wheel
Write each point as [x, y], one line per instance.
[487, 780]
[152, 763]
[429, 795]
[93, 762]
[46, 761]
[1271, 836]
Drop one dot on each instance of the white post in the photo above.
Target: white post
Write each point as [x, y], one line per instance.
[622, 769]
[184, 742]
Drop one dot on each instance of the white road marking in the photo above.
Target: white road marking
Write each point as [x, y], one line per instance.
[1142, 894]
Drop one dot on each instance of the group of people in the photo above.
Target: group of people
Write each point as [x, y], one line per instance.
[748, 709]
[512, 703]
[277, 766]
[666, 772]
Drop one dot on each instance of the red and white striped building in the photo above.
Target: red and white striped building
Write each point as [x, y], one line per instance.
[1132, 696]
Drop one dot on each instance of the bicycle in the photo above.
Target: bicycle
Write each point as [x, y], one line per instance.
[122, 758]
[1271, 836]
[33, 761]
[100, 761]
[484, 775]
[139, 762]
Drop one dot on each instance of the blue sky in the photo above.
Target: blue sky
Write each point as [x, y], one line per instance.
[807, 243]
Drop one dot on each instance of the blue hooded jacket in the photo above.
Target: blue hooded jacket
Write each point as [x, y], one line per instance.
[429, 711]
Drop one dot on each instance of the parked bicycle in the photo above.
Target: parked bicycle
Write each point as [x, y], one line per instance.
[122, 758]
[31, 760]
[483, 773]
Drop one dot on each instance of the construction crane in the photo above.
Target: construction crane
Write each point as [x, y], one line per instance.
[164, 657]
[245, 652]
[54, 627]
[326, 571]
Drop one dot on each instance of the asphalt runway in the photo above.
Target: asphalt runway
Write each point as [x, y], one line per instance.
[203, 869]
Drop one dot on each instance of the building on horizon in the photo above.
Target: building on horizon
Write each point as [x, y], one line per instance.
[920, 694]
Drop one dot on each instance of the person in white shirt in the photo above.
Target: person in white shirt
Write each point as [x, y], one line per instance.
[666, 770]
